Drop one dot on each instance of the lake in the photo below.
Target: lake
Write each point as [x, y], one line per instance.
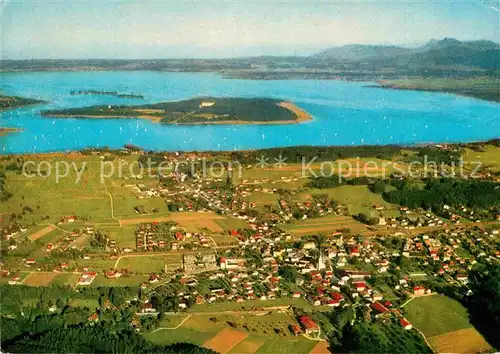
[344, 113]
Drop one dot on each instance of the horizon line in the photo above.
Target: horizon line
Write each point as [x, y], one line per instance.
[326, 47]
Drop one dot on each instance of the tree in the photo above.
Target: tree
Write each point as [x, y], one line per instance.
[319, 240]
[288, 273]
[116, 296]
[484, 303]
[366, 337]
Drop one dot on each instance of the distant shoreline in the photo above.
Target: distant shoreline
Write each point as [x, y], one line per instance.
[79, 152]
[442, 86]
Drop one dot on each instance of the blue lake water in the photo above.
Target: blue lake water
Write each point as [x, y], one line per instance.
[345, 113]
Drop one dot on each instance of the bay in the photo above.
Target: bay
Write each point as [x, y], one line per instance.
[344, 113]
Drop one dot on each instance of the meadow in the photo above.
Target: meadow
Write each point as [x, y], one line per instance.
[445, 323]
[149, 263]
[359, 199]
[234, 333]
[324, 224]
[488, 157]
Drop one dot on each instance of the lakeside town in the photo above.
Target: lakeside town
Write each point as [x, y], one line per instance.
[267, 243]
[248, 177]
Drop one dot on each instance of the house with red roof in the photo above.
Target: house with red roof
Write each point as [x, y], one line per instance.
[15, 279]
[354, 252]
[337, 296]
[113, 274]
[419, 290]
[359, 285]
[179, 236]
[154, 278]
[87, 278]
[381, 309]
[333, 303]
[309, 325]
[231, 263]
[405, 324]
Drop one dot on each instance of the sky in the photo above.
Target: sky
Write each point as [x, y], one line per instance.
[229, 28]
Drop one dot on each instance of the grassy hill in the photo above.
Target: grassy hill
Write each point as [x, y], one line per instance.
[445, 323]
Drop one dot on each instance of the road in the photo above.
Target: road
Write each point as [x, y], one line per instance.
[112, 205]
[180, 324]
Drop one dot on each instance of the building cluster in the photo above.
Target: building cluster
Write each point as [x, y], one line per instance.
[341, 271]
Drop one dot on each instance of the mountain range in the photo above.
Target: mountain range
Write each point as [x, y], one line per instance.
[447, 57]
[481, 54]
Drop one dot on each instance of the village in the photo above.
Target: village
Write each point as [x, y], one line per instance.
[255, 246]
[267, 265]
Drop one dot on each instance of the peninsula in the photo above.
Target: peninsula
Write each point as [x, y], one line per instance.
[7, 102]
[5, 131]
[486, 88]
[203, 110]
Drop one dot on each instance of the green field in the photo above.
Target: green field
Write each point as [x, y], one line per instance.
[180, 335]
[435, 315]
[94, 264]
[65, 279]
[252, 304]
[488, 158]
[87, 197]
[52, 237]
[149, 263]
[287, 345]
[133, 280]
[324, 224]
[90, 303]
[359, 199]
[124, 236]
[55, 199]
[124, 199]
[231, 223]
[224, 240]
[260, 329]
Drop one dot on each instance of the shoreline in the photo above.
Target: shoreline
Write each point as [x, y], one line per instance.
[301, 116]
[491, 141]
[382, 84]
[78, 116]
[5, 131]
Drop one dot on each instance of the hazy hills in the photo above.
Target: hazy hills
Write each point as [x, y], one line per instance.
[357, 52]
[438, 58]
[480, 54]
